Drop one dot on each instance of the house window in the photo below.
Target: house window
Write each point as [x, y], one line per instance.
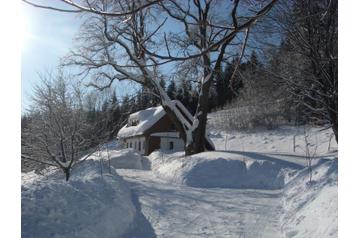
[127, 144]
[171, 145]
[135, 145]
[130, 144]
[139, 146]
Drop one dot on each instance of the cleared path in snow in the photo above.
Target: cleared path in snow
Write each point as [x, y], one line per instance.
[181, 211]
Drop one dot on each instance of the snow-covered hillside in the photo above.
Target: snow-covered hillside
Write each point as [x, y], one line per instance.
[254, 185]
[310, 208]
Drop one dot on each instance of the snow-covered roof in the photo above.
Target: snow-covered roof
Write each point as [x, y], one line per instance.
[141, 121]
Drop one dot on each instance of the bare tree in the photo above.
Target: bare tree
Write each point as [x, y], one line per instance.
[309, 57]
[310, 152]
[91, 7]
[55, 136]
[135, 50]
[134, 46]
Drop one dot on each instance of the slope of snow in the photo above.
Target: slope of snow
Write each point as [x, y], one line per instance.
[222, 169]
[279, 140]
[310, 209]
[88, 205]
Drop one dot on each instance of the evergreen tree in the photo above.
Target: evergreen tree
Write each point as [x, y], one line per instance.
[172, 90]
[115, 115]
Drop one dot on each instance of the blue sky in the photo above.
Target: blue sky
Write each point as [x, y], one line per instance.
[47, 37]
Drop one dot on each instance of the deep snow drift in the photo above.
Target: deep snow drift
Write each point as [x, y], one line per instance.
[88, 205]
[128, 159]
[222, 169]
[310, 208]
[121, 158]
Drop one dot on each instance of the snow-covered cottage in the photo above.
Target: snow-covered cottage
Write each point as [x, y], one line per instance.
[152, 129]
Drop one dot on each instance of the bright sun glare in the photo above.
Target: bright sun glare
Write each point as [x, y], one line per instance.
[25, 34]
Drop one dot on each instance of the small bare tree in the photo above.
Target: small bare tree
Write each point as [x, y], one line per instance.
[310, 151]
[55, 136]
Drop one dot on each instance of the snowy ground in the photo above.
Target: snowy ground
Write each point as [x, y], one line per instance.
[89, 205]
[177, 208]
[255, 185]
[183, 211]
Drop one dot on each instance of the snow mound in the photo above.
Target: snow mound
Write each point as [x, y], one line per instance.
[88, 205]
[122, 159]
[311, 209]
[128, 159]
[220, 169]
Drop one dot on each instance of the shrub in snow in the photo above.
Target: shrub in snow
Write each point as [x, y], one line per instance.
[88, 205]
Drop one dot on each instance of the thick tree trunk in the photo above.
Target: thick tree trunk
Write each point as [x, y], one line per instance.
[335, 131]
[334, 124]
[198, 144]
[67, 173]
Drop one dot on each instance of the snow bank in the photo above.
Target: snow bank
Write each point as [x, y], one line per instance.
[220, 169]
[122, 159]
[88, 205]
[311, 209]
[128, 159]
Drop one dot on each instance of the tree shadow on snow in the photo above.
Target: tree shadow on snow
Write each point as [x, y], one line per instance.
[142, 228]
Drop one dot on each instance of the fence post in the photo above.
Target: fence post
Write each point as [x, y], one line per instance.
[109, 160]
[225, 141]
